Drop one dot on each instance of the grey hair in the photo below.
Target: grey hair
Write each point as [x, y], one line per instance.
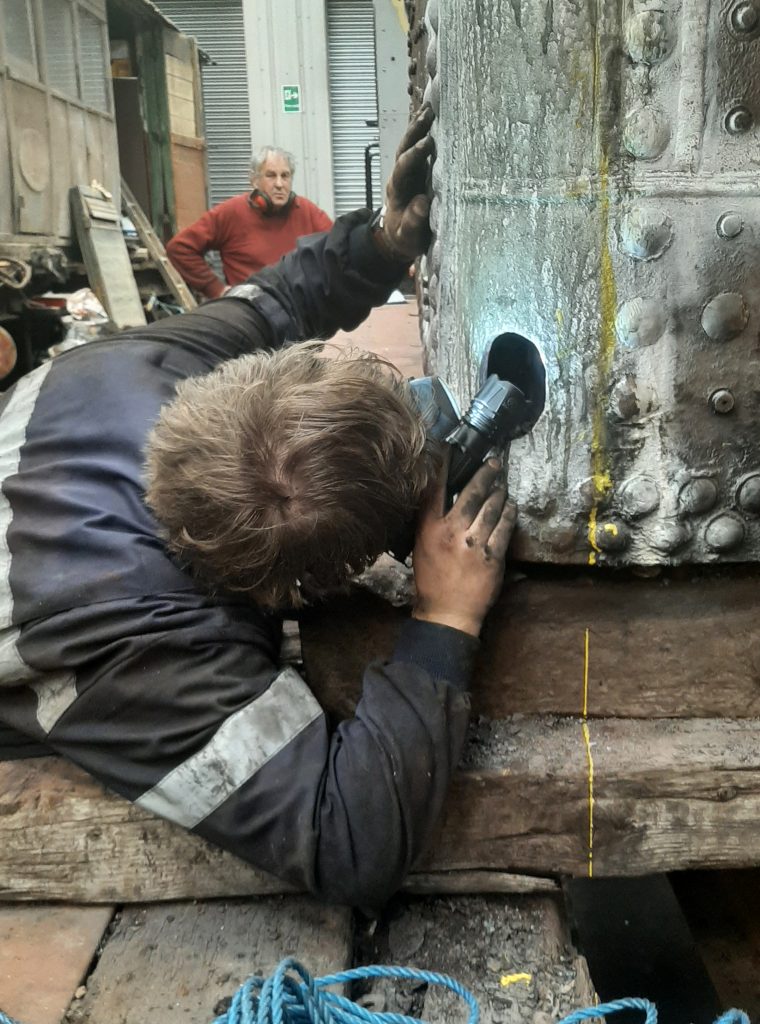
[259, 159]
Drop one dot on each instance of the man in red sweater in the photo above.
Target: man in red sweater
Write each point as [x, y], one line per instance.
[248, 231]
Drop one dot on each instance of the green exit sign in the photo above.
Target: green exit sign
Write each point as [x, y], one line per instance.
[291, 99]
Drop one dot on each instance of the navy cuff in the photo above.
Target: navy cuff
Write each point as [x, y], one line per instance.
[445, 653]
[367, 260]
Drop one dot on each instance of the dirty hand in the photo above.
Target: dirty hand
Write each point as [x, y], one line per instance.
[459, 555]
[406, 230]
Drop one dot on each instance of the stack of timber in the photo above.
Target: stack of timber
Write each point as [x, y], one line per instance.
[615, 721]
[662, 774]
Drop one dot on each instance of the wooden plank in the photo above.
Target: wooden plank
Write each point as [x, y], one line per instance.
[668, 795]
[81, 843]
[181, 115]
[181, 86]
[464, 883]
[155, 248]
[189, 169]
[179, 964]
[6, 157]
[98, 230]
[666, 648]
[45, 953]
[479, 942]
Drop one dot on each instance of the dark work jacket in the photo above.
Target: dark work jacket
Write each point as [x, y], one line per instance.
[114, 657]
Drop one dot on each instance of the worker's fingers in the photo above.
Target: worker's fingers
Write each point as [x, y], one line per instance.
[434, 502]
[499, 540]
[475, 493]
[411, 236]
[409, 174]
[418, 127]
[489, 514]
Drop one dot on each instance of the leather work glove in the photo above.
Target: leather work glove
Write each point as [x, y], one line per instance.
[402, 231]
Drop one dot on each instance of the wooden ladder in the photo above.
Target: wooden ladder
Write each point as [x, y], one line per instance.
[155, 248]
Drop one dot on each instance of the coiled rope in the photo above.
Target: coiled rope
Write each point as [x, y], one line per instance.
[14, 274]
[284, 999]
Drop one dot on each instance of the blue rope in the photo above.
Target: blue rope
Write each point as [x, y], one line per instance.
[649, 1009]
[284, 999]
[614, 1007]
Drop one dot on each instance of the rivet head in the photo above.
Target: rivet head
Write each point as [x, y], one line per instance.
[645, 234]
[738, 120]
[724, 532]
[725, 316]
[646, 133]
[563, 537]
[431, 14]
[722, 402]
[640, 322]
[748, 493]
[745, 17]
[624, 401]
[649, 37]
[612, 535]
[669, 536]
[431, 58]
[698, 496]
[730, 225]
[639, 496]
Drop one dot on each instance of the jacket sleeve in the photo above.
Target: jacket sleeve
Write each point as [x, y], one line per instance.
[196, 723]
[330, 282]
[186, 251]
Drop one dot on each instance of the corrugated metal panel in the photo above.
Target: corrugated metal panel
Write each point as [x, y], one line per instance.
[353, 99]
[218, 27]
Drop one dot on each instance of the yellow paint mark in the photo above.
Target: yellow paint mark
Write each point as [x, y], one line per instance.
[611, 528]
[512, 979]
[589, 760]
[600, 474]
[403, 21]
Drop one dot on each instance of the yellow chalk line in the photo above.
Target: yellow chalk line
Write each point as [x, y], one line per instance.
[589, 760]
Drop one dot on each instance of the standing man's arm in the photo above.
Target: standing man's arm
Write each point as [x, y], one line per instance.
[187, 249]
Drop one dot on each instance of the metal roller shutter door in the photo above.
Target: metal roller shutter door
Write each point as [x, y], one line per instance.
[353, 99]
[218, 27]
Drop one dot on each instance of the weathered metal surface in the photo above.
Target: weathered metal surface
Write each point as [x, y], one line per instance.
[595, 191]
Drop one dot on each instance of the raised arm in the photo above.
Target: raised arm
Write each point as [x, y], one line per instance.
[187, 250]
[330, 281]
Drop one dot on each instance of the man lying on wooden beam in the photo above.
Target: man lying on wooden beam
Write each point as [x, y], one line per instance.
[166, 493]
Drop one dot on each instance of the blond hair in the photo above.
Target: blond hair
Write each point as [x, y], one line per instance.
[287, 470]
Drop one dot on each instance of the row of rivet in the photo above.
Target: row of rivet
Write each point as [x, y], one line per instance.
[431, 263]
[645, 235]
[639, 497]
[650, 38]
[642, 321]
